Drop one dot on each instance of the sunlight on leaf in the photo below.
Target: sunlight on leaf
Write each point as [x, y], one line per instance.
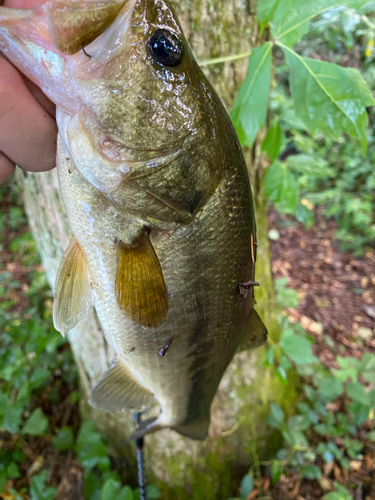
[250, 108]
[329, 98]
[290, 21]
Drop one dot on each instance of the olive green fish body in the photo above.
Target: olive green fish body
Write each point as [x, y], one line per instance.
[158, 197]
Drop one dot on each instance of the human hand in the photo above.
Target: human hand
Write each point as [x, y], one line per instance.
[28, 129]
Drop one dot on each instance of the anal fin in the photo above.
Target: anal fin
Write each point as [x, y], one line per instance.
[73, 293]
[140, 288]
[255, 334]
[117, 390]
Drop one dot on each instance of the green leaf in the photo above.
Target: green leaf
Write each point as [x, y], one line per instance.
[4, 403]
[315, 166]
[3, 479]
[152, 492]
[276, 418]
[329, 98]
[311, 472]
[349, 368]
[304, 215]
[64, 440]
[367, 368]
[127, 494]
[36, 424]
[13, 471]
[297, 348]
[91, 485]
[12, 419]
[39, 490]
[281, 187]
[38, 377]
[276, 471]
[286, 297]
[341, 493]
[110, 490]
[290, 25]
[330, 388]
[291, 20]
[268, 10]
[358, 394]
[247, 485]
[250, 108]
[274, 140]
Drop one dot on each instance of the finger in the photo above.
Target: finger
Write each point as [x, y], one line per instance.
[6, 167]
[27, 133]
[42, 99]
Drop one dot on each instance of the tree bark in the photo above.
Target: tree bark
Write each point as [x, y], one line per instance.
[238, 435]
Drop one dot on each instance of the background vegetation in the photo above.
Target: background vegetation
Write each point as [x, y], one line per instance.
[303, 113]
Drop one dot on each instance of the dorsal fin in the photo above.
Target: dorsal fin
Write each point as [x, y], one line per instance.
[140, 288]
[73, 293]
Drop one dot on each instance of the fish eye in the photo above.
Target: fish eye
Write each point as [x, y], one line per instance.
[165, 48]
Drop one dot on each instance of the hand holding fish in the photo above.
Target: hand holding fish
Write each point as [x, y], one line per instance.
[28, 129]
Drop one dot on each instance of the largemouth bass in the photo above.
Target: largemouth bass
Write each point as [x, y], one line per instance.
[158, 197]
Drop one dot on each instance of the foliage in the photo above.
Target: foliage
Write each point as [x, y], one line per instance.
[37, 373]
[313, 104]
[333, 420]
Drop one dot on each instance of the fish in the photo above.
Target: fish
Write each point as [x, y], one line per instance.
[158, 197]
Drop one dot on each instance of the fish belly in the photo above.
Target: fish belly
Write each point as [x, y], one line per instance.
[202, 264]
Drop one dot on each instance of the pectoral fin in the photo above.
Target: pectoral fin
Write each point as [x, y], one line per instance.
[117, 390]
[140, 287]
[73, 293]
[255, 335]
[73, 25]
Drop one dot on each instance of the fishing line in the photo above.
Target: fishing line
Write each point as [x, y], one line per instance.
[140, 460]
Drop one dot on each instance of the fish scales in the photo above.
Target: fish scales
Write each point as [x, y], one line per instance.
[158, 197]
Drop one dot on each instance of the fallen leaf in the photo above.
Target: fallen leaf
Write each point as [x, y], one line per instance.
[370, 311]
[364, 333]
[325, 483]
[355, 465]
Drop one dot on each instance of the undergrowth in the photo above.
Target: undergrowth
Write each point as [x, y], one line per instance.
[332, 425]
[39, 418]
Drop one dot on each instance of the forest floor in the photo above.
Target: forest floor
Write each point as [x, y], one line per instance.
[336, 306]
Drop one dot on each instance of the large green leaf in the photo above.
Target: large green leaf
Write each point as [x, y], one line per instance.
[274, 140]
[268, 10]
[281, 187]
[250, 108]
[312, 165]
[290, 20]
[297, 348]
[329, 98]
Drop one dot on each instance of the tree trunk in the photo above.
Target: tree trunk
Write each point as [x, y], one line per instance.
[238, 435]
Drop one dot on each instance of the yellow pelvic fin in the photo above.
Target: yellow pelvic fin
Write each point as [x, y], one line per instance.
[140, 287]
[73, 293]
[117, 390]
[255, 334]
[73, 25]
